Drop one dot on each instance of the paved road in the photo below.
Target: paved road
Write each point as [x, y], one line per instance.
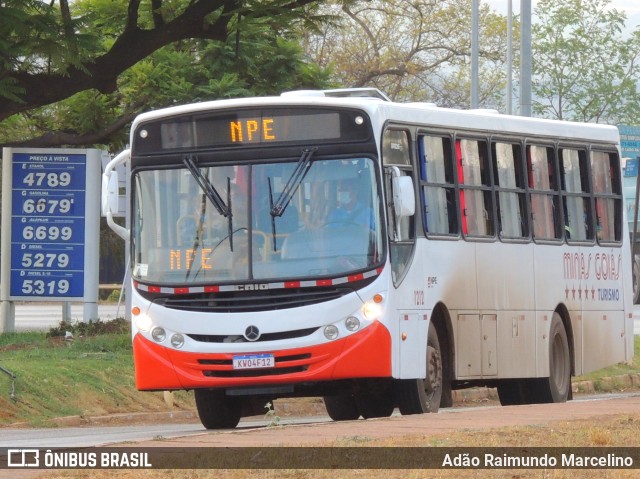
[42, 316]
[315, 429]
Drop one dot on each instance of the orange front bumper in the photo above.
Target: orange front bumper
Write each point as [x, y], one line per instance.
[362, 355]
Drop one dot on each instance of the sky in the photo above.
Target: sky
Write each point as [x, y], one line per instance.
[630, 7]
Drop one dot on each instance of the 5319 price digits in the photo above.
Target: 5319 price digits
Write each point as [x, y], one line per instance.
[41, 287]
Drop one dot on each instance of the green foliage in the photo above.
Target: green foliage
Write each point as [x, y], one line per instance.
[33, 39]
[584, 69]
[262, 58]
[114, 296]
[91, 328]
[413, 51]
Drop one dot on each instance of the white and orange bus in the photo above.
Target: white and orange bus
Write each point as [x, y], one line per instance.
[377, 254]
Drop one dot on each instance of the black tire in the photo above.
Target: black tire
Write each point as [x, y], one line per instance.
[418, 396]
[341, 408]
[557, 387]
[217, 411]
[636, 282]
[375, 405]
[512, 392]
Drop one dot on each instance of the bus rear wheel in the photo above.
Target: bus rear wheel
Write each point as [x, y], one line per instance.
[418, 396]
[636, 280]
[557, 387]
[217, 411]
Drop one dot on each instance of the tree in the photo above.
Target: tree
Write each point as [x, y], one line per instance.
[584, 69]
[413, 50]
[92, 65]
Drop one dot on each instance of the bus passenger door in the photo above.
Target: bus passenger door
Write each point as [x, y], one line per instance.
[476, 346]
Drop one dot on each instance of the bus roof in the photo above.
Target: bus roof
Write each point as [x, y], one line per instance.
[424, 114]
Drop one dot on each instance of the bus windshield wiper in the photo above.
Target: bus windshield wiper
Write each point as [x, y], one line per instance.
[207, 187]
[212, 194]
[278, 208]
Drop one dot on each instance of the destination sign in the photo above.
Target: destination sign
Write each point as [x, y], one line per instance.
[251, 127]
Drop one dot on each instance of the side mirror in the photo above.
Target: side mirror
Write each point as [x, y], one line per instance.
[404, 202]
[110, 190]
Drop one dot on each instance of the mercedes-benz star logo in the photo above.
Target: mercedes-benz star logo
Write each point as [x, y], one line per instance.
[252, 333]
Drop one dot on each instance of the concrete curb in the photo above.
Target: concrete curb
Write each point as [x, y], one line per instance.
[607, 384]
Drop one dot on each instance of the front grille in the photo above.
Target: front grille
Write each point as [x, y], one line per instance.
[248, 301]
[225, 364]
[251, 373]
[217, 338]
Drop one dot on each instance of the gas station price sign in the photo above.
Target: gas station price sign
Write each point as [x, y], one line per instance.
[48, 225]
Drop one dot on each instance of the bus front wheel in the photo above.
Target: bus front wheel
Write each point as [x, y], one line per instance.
[417, 396]
[217, 411]
[341, 408]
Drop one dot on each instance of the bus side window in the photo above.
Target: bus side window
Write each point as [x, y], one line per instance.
[476, 203]
[508, 174]
[544, 195]
[438, 186]
[575, 194]
[605, 176]
[396, 152]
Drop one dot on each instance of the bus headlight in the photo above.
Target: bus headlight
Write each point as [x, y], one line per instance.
[372, 310]
[143, 322]
[331, 332]
[158, 334]
[177, 340]
[352, 323]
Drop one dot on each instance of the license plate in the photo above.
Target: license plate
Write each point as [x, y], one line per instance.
[254, 361]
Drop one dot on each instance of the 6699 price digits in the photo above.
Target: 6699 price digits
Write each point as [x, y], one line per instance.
[42, 232]
[41, 287]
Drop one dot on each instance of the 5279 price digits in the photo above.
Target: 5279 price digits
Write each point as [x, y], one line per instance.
[40, 286]
[45, 260]
[47, 205]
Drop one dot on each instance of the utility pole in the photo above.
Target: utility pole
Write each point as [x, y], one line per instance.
[509, 92]
[475, 39]
[525, 58]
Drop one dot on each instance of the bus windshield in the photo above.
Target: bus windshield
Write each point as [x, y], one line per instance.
[263, 221]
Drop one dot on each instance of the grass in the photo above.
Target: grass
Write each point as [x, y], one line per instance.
[618, 369]
[93, 375]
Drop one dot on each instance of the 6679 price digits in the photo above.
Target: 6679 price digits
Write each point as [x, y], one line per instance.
[47, 205]
[41, 287]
